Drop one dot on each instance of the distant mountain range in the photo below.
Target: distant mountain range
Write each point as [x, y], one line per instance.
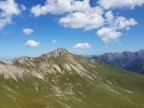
[131, 61]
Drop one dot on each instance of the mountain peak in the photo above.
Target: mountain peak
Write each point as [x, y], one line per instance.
[141, 50]
[22, 58]
[60, 50]
[57, 52]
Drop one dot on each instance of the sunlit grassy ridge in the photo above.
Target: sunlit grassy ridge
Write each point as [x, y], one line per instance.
[76, 82]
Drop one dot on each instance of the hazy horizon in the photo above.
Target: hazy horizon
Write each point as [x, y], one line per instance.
[78, 52]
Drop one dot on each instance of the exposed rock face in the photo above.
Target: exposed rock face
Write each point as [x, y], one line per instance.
[57, 52]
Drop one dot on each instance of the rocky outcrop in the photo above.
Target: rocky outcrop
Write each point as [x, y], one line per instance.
[55, 53]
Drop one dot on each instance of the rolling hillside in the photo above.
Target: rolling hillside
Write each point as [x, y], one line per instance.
[60, 79]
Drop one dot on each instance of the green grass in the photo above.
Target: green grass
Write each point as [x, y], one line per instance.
[68, 90]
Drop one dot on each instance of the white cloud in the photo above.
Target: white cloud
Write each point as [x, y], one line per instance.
[123, 23]
[82, 45]
[28, 31]
[59, 7]
[111, 33]
[4, 22]
[54, 41]
[23, 7]
[86, 20]
[119, 22]
[32, 43]
[108, 35]
[109, 17]
[107, 4]
[79, 14]
[8, 9]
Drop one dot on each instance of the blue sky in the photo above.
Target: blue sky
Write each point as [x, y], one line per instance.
[33, 27]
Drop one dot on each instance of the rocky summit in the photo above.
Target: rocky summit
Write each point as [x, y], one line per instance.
[60, 79]
[54, 53]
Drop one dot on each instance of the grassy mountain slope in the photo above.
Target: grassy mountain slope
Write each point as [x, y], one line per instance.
[65, 80]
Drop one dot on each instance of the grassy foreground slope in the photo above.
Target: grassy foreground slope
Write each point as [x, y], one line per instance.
[70, 81]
